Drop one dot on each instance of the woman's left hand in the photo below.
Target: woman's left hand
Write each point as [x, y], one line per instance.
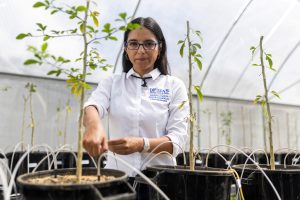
[127, 145]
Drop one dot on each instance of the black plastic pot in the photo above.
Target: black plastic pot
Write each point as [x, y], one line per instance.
[34, 158]
[117, 189]
[255, 185]
[182, 184]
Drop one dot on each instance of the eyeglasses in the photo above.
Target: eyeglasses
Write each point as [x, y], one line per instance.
[147, 45]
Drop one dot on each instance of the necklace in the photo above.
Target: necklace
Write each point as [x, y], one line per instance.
[143, 79]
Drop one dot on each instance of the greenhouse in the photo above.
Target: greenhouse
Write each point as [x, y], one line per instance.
[152, 99]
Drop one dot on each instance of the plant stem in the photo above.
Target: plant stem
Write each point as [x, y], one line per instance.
[80, 125]
[23, 122]
[269, 117]
[191, 154]
[32, 119]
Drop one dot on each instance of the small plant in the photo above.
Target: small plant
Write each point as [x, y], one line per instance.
[194, 57]
[62, 129]
[87, 28]
[226, 125]
[264, 99]
[68, 110]
[31, 89]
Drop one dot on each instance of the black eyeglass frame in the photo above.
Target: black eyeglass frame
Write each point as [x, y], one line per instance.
[143, 44]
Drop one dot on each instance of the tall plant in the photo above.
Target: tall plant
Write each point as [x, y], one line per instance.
[31, 88]
[87, 23]
[194, 58]
[264, 99]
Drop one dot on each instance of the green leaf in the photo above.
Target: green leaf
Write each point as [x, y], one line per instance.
[275, 94]
[44, 47]
[38, 4]
[53, 12]
[122, 28]
[269, 59]
[199, 63]
[256, 65]
[54, 72]
[21, 36]
[198, 55]
[81, 28]
[46, 38]
[181, 105]
[106, 28]
[90, 28]
[113, 38]
[199, 93]
[95, 20]
[123, 16]
[180, 41]
[263, 103]
[30, 62]
[133, 26]
[197, 45]
[252, 49]
[41, 26]
[182, 49]
[81, 8]
[257, 98]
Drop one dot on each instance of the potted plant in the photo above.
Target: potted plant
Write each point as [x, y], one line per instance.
[87, 29]
[191, 182]
[284, 178]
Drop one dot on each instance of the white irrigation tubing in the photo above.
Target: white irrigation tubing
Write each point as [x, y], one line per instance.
[4, 184]
[13, 154]
[135, 170]
[47, 153]
[292, 151]
[3, 154]
[268, 163]
[53, 158]
[155, 155]
[253, 154]
[234, 155]
[296, 160]
[70, 150]
[93, 160]
[198, 153]
[147, 157]
[20, 162]
[206, 159]
[257, 165]
[9, 174]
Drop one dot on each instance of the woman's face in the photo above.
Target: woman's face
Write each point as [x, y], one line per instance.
[143, 56]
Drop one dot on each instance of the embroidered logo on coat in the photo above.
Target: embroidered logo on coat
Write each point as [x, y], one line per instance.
[159, 94]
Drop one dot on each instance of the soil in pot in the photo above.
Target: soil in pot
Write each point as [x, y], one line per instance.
[113, 185]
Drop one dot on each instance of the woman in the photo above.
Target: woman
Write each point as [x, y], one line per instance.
[142, 104]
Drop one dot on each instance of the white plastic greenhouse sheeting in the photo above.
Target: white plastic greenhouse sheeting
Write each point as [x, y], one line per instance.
[245, 126]
[226, 62]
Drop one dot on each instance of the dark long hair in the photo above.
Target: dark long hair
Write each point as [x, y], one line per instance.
[162, 62]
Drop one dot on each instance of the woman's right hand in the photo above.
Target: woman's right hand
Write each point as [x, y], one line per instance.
[95, 141]
[94, 138]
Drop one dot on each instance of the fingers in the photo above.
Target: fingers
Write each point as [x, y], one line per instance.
[95, 147]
